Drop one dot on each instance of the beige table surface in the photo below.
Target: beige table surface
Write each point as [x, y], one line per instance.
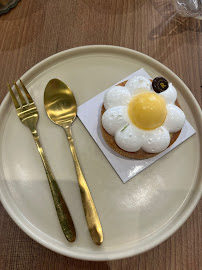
[36, 29]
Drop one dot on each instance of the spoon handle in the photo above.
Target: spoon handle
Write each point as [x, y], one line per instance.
[60, 205]
[91, 215]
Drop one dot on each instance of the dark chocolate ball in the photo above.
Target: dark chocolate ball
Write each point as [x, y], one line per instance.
[159, 84]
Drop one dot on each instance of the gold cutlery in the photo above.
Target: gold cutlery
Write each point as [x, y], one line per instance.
[61, 108]
[28, 114]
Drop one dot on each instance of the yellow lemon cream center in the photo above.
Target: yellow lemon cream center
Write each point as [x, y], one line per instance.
[147, 111]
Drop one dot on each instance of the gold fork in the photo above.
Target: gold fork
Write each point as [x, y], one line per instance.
[28, 114]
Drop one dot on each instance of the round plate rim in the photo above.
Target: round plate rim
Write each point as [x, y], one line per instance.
[128, 252]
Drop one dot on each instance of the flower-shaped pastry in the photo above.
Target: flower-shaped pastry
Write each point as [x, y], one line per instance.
[140, 118]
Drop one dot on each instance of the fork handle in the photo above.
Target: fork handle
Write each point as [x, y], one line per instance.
[91, 215]
[60, 205]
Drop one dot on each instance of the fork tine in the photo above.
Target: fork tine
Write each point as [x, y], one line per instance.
[27, 93]
[22, 99]
[16, 103]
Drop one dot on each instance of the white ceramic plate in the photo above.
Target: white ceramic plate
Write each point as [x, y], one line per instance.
[135, 216]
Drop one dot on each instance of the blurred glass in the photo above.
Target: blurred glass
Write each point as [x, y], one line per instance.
[189, 8]
[6, 5]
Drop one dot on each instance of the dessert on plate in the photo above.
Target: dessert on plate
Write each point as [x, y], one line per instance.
[141, 118]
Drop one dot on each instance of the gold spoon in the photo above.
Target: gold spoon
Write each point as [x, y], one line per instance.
[61, 108]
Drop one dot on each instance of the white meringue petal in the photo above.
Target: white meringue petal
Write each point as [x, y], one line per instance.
[138, 82]
[129, 138]
[116, 96]
[156, 140]
[170, 94]
[114, 119]
[175, 118]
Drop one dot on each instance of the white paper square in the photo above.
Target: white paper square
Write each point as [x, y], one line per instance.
[89, 114]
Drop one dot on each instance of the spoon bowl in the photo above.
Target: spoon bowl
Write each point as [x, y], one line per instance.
[60, 103]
